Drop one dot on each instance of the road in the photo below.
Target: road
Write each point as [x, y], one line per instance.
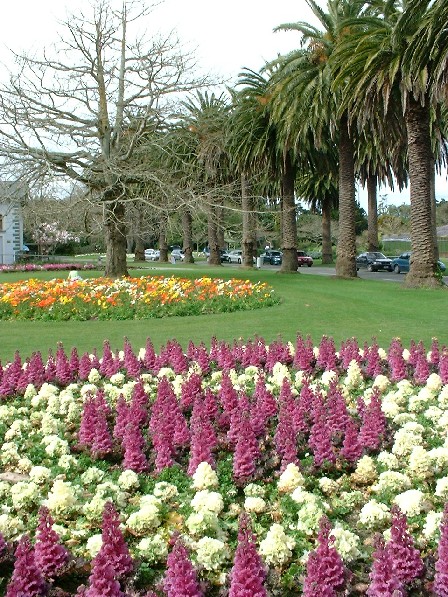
[362, 273]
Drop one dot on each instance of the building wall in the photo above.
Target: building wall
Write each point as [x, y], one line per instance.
[11, 231]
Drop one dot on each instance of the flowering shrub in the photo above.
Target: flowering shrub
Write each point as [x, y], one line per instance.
[44, 267]
[98, 484]
[129, 298]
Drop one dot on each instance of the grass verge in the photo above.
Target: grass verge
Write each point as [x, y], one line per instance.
[311, 304]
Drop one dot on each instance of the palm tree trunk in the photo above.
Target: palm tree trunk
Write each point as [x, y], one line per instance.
[327, 248]
[115, 237]
[289, 220]
[423, 262]
[187, 234]
[432, 165]
[346, 250]
[372, 214]
[249, 224]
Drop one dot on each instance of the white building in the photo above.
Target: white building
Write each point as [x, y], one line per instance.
[12, 197]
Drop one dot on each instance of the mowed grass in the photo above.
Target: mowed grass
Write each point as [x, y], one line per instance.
[311, 304]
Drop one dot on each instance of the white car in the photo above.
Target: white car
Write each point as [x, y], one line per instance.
[152, 254]
[235, 256]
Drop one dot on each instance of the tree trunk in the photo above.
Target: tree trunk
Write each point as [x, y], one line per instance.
[212, 233]
[249, 224]
[163, 245]
[220, 225]
[327, 247]
[115, 237]
[346, 249]
[139, 252]
[372, 214]
[187, 234]
[139, 244]
[423, 262]
[432, 165]
[289, 220]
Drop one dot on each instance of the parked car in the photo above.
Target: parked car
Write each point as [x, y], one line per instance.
[235, 256]
[373, 262]
[401, 264]
[177, 254]
[225, 258]
[272, 257]
[304, 259]
[152, 254]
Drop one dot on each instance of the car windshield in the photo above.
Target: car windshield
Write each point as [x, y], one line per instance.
[275, 253]
[376, 255]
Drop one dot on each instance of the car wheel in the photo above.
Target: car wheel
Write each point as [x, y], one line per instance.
[310, 264]
[370, 268]
[397, 269]
[239, 260]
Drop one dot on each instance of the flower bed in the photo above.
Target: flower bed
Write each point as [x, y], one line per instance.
[271, 469]
[129, 298]
[45, 267]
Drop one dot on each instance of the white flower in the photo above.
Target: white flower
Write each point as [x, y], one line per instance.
[92, 475]
[128, 480]
[11, 526]
[165, 491]
[67, 462]
[434, 382]
[147, 517]
[39, 474]
[393, 481]
[327, 485]
[276, 546]
[211, 553]
[61, 498]
[153, 548]
[55, 446]
[254, 490]
[94, 376]
[254, 504]
[420, 463]
[382, 382]
[365, 471]
[93, 510]
[290, 479]
[374, 513]
[439, 458]
[346, 543]
[204, 476]
[327, 377]
[388, 460]
[117, 379]
[93, 545]
[431, 528]
[442, 488]
[354, 377]
[199, 523]
[24, 494]
[418, 403]
[308, 517]
[210, 501]
[410, 502]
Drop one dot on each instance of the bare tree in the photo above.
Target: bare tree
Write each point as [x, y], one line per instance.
[82, 110]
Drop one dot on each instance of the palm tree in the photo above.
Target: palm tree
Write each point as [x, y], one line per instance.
[307, 106]
[205, 118]
[260, 157]
[372, 69]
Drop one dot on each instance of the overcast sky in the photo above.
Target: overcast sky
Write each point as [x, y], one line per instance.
[226, 36]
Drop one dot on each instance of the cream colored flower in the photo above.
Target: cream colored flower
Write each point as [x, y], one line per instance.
[204, 477]
[276, 547]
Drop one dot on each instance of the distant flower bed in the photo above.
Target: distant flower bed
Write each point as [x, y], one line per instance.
[244, 469]
[129, 298]
[43, 267]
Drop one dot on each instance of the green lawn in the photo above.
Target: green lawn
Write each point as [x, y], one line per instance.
[311, 304]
